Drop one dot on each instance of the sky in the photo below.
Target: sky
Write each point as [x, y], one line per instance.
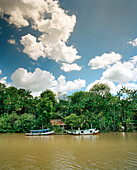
[68, 45]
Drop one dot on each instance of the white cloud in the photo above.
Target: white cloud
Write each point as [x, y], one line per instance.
[11, 41]
[36, 81]
[70, 67]
[41, 80]
[122, 72]
[133, 43]
[20, 11]
[60, 24]
[3, 80]
[58, 50]
[134, 60]
[131, 86]
[33, 48]
[49, 19]
[63, 86]
[104, 60]
[0, 71]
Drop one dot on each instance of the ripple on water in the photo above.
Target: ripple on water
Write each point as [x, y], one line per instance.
[102, 152]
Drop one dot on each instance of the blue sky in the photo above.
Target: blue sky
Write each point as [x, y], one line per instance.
[68, 46]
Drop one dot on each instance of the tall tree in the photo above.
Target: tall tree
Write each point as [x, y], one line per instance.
[100, 89]
[45, 108]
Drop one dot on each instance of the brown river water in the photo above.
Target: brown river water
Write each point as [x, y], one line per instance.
[102, 151]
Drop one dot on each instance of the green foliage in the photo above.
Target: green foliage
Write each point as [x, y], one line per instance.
[50, 95]
[100, 89]
[28, 122]
[20, 112]
[72, 120]
[13, 123]
[45, 107]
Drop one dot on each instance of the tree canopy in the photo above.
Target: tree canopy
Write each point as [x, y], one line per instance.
[21, 112]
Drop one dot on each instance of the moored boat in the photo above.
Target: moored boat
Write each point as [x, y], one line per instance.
[83, 132]
[42, 132]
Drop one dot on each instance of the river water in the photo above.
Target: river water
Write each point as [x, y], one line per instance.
[102, 151]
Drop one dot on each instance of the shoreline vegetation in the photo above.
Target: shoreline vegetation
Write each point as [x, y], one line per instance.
[20, 112]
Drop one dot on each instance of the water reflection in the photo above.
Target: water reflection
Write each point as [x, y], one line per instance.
[38, 137]
[87, 137]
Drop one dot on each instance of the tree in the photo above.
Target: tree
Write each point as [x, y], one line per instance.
[27, 122]
[2, 97]
[45, 108]
[63, 107]
[77, 101]
[127, 100]
[72, 120]
[49, 94]
[100, 89]
[77, 97]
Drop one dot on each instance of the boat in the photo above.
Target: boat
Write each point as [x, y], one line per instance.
[83, 132]
[42, 132]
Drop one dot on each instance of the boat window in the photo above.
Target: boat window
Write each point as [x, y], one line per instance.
[90, 131]
[82, 131]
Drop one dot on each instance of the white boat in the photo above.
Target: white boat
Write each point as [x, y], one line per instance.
[83, 132]
[42, 132]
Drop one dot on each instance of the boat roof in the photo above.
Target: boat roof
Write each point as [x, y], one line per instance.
[42, 130]
[86, 129]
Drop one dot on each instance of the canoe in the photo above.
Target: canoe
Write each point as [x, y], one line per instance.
[42, 132]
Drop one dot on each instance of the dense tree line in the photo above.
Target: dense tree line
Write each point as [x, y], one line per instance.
[20, 111]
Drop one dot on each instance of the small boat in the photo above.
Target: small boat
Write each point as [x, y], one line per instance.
[83, 132]
[42, 132]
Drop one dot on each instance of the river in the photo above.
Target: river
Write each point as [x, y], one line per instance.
[102, 151]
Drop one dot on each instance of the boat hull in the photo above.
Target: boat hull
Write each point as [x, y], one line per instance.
[40, 134]
[79, 133]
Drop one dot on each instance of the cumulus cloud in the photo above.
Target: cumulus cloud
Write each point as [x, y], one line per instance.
[65, 86]
[36, 81]
[131, 86]
[125, 74]
[104, 60]
[3, 80]
[57, 51]
[11, 41]
[70, 67]
[133, 43]
[33, 48]
[41, 80]
[134, 60]
[18, 12]
[54, 24]
[122, 72]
